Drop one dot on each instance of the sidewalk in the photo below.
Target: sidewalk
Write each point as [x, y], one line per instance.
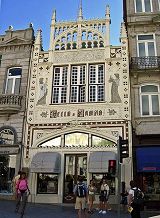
[55, 211]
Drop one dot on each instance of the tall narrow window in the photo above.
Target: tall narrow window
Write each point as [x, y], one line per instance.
[146, 45]
[150, 100]
[143, 5]
[0, 59]
[96, 83]
[13, 81]
[60, 85]
[78, 84]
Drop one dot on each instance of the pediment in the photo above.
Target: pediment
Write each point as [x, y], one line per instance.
[156, 19]
[16, 40]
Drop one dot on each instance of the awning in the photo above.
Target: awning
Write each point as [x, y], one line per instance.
[98, 161]
[46, 162]
[148, 159]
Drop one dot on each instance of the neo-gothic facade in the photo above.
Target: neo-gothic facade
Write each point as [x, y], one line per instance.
[78, 105]
[143, 27]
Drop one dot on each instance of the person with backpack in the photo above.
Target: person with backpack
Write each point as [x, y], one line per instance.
[104, 197]
[22, 191]
[80, 191]
[135, 200]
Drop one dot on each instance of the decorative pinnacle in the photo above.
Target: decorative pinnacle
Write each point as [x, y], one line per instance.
[80, 13]
[38, 39]
[108, 11]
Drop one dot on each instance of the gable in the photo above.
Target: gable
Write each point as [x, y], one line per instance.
[16, 40]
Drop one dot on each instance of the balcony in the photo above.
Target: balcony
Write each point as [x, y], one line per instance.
[10, 104]
[142, 63]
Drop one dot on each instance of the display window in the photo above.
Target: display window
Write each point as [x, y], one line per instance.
[97, 177]
[151, 186]
[47, 183]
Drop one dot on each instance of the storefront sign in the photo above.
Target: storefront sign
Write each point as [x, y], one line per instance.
[7, 150]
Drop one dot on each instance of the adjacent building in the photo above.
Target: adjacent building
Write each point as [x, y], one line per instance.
[78, 105]
[142, 19]
[15, 54]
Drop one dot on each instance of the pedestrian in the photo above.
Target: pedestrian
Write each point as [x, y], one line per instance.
[22, 191]
[91, 195]
[80, 191]
[104, 197]
[124, 195]
[14, 182]
[135, 200]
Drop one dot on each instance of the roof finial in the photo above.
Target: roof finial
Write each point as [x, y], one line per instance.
[107, 11]
[80, 13]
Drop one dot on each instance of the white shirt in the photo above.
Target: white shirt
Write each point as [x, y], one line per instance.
[131, 191]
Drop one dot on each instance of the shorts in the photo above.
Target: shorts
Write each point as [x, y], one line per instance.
[103, 198]
[80, 203]
[91, 197]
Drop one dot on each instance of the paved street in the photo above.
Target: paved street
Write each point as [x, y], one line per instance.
[53, 211]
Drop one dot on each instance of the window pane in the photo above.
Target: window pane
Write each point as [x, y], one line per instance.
[47, 183]
[149, 88]
[155, 105]
[63, 94]
[82, 74]
[56, 142]
[76, 139]
[92, 93]
[15, 72]
[100, 142]
[74, 75]
[64, 75]
[55, 95]
[151, 50]
[74, 93]
[100, 93]
[17, 86]
[100, 74]
[147, 5]
[9, 86]
[145, 37]
[57, 76]
[92, 74]
[142, 52]
[145, 105]
[82, 93]
[139, 5]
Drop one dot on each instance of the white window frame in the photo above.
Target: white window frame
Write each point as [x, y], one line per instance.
[14, 80]
[150, 94]
[78, 84]
[97, 84]
[59, 86]
[143, 7]
[146, 43]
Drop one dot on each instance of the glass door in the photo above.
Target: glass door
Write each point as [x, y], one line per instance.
[75, 166]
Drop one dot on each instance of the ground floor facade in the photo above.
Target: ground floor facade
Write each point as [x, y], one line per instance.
[59, 154]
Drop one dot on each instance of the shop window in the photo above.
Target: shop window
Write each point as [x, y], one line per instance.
[76, 140]
[13, 81]
[47, 183]
[101, 142]
[97, 177]
[151, 186]
[53, 143]
[143, 5]
[150, 100]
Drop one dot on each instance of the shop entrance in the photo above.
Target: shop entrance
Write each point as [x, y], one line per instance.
[75, 166]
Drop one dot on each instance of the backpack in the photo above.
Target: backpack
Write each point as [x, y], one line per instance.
[81, 190]
[138, 196]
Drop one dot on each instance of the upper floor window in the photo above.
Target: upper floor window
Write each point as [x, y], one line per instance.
[78, 83]
[143, 5]
[96, 83]
[146, 45]
[150, 100]
[60, 85]
[13, 81]
[0, 59]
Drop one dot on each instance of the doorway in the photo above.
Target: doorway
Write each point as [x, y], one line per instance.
[75, 165]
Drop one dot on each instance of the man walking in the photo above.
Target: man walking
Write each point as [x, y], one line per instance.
[81, 194]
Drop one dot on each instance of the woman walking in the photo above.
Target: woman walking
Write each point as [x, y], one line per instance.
[104, 197]
[91, 195]
[22, 191]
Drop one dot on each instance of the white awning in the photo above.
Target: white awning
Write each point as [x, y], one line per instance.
[46, 162]
[98, 161]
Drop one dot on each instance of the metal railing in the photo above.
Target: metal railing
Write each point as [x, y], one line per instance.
[145, 62]
[11, 100]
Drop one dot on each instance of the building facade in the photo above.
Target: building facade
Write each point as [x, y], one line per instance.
[143, 25]
[15, 53]
[78, 105]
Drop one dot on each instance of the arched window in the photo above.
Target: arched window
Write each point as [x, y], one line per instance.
[8, 135]
[150, 100]
[13, 81]
[56, 142]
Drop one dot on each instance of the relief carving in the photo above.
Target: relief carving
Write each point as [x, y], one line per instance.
[43, 90]
[115, 98]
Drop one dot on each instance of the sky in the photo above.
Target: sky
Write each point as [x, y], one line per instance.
[19, 13]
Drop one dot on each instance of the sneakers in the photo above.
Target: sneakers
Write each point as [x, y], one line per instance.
[100, 211]
[104, 212]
